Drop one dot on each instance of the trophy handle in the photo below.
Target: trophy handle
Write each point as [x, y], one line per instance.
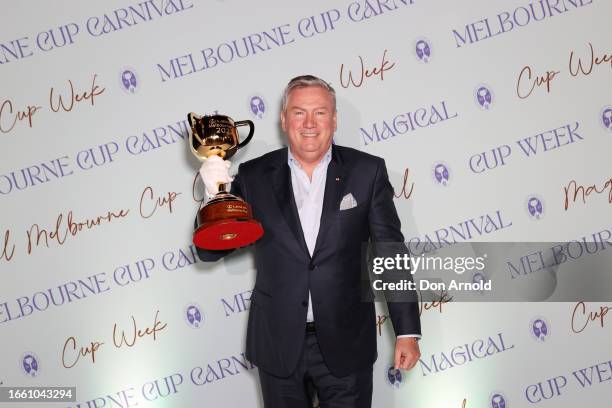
[192, 118]
[251, 131]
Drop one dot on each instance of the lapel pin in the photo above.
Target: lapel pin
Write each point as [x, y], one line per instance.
[337, 178]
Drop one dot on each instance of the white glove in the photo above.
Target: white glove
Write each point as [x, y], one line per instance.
[214, 171]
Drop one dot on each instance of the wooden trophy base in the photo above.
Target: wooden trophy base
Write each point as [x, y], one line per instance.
[226, 222]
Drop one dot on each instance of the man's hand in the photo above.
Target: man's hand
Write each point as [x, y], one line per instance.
[214, 171]
[407, 352]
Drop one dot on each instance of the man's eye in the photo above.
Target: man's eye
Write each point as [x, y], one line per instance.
[297, 113]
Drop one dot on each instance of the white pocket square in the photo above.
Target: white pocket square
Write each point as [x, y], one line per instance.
[348, 202]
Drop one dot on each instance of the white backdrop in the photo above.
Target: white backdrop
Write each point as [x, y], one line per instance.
[113, 154]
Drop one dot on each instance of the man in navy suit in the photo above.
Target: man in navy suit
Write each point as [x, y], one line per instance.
[318, 203]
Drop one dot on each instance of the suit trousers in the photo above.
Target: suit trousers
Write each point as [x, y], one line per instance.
[311, 373]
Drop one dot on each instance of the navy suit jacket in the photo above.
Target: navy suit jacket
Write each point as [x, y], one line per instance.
[346, 326]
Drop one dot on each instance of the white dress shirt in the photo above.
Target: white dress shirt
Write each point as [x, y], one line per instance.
[308, 196]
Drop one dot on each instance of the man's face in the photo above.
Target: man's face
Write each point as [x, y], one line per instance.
[309, 121]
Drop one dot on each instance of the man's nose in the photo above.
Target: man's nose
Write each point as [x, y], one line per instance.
[309, 122]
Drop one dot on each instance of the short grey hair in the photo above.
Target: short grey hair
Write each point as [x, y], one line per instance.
[304, 81]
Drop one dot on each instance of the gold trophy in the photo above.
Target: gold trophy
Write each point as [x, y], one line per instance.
[225, 221]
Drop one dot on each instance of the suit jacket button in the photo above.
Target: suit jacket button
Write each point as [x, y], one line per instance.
[311, 266]
[305, 303]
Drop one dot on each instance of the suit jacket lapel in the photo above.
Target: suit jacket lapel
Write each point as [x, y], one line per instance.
[333, 193]
[283, 190]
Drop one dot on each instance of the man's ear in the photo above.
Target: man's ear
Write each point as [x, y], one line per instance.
[335, 121]
[283, 124]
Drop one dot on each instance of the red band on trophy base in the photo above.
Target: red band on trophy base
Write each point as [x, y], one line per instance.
[227, 234]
